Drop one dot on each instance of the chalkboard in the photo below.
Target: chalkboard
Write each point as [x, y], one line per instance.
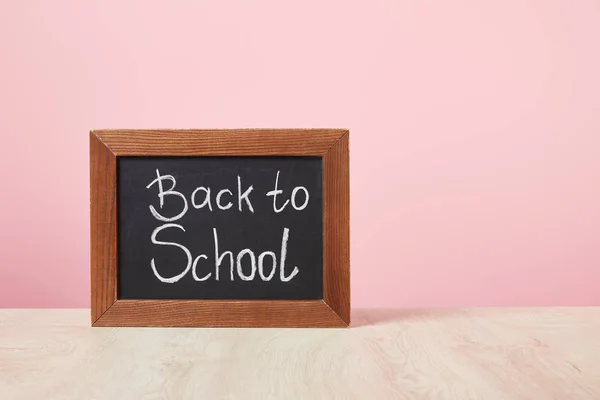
[220, 227]
[226, 227]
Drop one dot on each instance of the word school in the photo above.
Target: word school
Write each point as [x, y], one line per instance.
[201, 198]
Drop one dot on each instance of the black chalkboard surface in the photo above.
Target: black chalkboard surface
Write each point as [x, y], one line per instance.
[214, 227]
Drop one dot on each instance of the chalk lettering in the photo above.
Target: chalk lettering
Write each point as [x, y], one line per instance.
[244, 196]
[274, 193]
[194, 269]
[160, 243]
[219, 258]
[228, 205]
[161, 195]
[284, 241]
[303, 206]
[261, 270]
[240, 272]
[206, 198]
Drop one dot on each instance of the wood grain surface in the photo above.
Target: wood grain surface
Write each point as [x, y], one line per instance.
[461, 354]
[331, 144]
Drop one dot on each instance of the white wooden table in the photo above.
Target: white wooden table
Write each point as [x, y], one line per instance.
[495, 354]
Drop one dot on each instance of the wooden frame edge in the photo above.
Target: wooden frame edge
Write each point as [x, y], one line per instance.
[219, 142]
[103, 227]
[333, 311]
[336, 228]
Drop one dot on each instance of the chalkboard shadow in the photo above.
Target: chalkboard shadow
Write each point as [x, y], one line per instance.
[364, 317]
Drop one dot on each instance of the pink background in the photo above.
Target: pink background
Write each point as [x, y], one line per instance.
[475, 131]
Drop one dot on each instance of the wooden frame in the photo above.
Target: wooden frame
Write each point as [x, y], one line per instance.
[331, 144]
